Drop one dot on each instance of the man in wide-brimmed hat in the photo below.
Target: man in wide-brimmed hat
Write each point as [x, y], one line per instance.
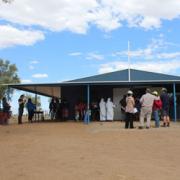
[146, 101]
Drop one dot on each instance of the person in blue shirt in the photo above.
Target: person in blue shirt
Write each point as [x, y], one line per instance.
[30, 108]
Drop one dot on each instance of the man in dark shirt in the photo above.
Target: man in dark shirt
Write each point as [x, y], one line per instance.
[165, 107]
[21, 102]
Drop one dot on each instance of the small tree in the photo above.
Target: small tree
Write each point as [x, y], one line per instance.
[8, 75]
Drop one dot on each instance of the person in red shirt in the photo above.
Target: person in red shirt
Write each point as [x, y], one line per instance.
[157, 106]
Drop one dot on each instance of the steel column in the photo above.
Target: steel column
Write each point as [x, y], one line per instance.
[174, 100]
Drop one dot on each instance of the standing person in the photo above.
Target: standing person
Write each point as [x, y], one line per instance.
[82, 110]
[30, 108]
[102, 106]
[53, 108]
[65, 110]
[157, 105]
[138, 108]
[110, 109]
[94, 111]
[6, 110]
[76, 109]
[146, 101]
[122, 103]
[165, 107]
[129, 109]
[21, 102]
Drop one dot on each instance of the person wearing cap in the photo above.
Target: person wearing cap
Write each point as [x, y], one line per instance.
[129, 109]
[165, 107]
[146, 101]
[157, 105]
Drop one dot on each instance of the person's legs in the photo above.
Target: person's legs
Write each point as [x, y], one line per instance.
[52, 115]
[6, 118]
[168, 118]
[142, 116]
[156, 117]
[20, 116]
[168, 121]
[149, 113]
[31, 113]
[131, 120]
[127, 121]
[165, 121]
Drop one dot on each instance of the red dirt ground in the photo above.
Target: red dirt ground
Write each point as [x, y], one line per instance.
[75, 151]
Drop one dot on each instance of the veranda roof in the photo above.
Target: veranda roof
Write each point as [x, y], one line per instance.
[122, 77]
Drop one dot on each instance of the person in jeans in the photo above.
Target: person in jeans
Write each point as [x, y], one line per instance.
[157, 105]
[129, 109]
[146, 101]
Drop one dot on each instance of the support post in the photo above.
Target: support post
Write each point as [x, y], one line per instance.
[87, 115]
[35, 96]
[174, 100]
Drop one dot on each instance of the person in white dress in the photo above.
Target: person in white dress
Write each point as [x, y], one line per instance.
[102, 106]
[110, 109]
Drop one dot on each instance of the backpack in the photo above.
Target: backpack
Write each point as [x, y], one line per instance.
[158, 104]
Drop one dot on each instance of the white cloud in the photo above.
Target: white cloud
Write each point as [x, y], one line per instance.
[152, 51]
[26, 81]
[39, 75]
[11, 36]
[31, 67]
[78, 15]
[172, 55]
[94, 56]
[34, 62]
[75, 54]
[167, 66]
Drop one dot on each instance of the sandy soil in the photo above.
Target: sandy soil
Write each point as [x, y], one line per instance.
[75, 151]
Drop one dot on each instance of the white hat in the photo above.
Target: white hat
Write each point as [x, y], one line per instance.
[155, 93]
[129, 92]
[164, 90]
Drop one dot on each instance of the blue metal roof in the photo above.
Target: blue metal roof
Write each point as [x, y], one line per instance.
[137, 77]
[123, 76]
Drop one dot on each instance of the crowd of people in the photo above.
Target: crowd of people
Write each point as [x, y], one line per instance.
[153, 103]
[58, 109]
[149, 105]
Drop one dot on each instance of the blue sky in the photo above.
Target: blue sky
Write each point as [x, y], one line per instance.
[53, 41]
